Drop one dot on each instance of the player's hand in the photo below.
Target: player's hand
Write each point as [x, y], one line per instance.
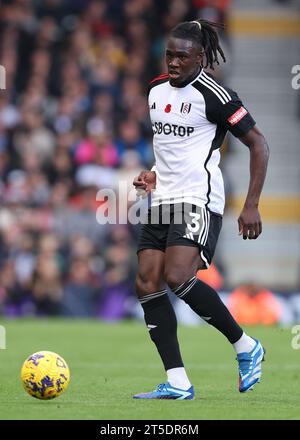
[145, 182]
[250, 225]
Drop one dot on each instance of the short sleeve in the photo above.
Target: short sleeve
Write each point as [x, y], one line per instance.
[232, 114]
[223, 106]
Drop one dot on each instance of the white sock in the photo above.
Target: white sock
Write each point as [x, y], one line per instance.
[245, 344]
[177, 377]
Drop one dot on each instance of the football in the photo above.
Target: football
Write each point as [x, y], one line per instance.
[45, 375]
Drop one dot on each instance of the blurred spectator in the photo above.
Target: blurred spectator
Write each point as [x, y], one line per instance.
[46, 282]
[131, 138]
[25, 259]
[179, 10]
[251, 304]
[15, 299]
[97, 147]
[214, 10]
[46, 286]
[80, 290]
[131, 167]
[117, 287]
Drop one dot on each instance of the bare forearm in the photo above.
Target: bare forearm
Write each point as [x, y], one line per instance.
[249, 221]
[259, 156]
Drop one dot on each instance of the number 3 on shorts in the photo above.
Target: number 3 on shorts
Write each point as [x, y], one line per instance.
[194, 226]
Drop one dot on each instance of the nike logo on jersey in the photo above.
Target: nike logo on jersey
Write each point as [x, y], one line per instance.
[176, 130]
[150, 326]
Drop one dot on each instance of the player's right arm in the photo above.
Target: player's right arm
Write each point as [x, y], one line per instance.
[145, 182]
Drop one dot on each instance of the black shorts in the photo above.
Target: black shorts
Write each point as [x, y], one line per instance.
[181, 225]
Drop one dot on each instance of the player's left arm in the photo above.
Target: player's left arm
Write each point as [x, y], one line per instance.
[249, 221]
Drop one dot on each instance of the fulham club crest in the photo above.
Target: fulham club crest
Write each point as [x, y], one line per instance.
[185, 108]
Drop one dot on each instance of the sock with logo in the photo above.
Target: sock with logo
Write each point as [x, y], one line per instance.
[161, 321]
[208, 305]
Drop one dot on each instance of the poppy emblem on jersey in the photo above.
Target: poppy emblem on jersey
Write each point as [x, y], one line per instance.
[168, 108]
[185, 108]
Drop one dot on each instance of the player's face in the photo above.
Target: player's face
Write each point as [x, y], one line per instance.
[183, 59]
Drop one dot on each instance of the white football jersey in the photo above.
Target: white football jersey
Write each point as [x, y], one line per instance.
[189, 125]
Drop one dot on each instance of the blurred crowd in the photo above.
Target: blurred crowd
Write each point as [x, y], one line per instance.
[74, 119]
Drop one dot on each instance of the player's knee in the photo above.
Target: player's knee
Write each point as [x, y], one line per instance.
[175, 278]
[144, 285]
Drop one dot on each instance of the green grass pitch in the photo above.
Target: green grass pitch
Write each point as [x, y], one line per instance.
[111, 362]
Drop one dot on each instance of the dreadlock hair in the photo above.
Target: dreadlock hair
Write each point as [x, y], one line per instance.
[202, 33]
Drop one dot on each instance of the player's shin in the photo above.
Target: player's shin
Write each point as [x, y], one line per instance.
[207, 304]
[161, 321]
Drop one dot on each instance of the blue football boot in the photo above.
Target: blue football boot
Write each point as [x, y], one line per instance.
[250, 367]
[166, 391]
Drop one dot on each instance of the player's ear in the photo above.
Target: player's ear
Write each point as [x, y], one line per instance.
[200, 58]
